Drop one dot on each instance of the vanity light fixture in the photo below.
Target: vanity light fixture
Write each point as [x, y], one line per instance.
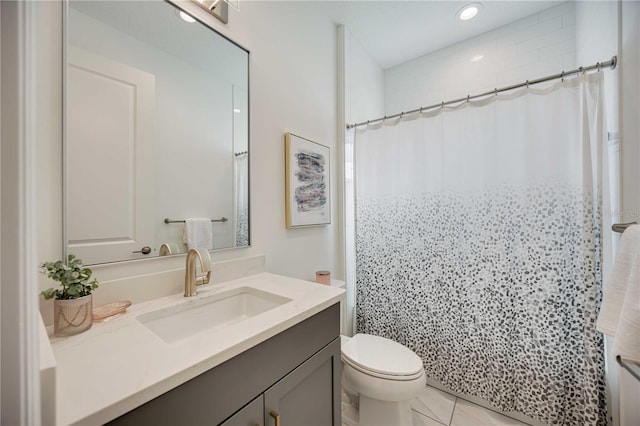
[218, 8]
[469, 11]
[186, 17]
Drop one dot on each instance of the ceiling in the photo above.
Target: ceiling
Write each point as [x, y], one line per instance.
[393, 32]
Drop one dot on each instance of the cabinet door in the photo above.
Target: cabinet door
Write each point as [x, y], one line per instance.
[251, 415]
[310, 394]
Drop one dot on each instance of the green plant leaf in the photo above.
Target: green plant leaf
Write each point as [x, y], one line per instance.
[72, 276]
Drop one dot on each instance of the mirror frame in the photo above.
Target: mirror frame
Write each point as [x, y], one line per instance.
[64, 116]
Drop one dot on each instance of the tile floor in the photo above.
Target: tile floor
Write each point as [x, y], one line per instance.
[433, 407]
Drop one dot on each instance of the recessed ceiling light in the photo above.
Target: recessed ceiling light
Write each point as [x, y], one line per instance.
[477, 58]
[469, 11]
[186, 17]
[236, 110]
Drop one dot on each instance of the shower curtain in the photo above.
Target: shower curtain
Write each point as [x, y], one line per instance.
[478, 245]
[241, 204]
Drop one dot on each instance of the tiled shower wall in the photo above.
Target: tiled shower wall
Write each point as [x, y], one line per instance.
[535, 46]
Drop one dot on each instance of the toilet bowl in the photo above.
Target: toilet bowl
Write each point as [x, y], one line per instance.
[380, 378]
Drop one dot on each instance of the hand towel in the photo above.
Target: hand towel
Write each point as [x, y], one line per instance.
[198, 233]
[620, 312]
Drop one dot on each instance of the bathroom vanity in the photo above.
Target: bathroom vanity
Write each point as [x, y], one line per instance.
[294, 375]
[281, 357]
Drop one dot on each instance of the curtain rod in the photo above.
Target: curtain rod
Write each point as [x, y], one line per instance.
[598, 66]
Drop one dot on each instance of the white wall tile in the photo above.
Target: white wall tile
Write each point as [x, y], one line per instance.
[540, 44]
[567, 46]
[564, 9]
[548, 39]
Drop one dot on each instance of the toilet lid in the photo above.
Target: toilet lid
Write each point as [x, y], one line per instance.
[380, 355]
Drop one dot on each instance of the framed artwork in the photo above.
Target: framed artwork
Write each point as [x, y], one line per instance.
[308, 200]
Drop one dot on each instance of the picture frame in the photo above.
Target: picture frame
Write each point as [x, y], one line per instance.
[307, 182]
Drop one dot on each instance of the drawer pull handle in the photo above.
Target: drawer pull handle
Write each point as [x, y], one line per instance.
[276, 417]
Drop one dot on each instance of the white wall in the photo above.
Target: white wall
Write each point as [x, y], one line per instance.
[19, 378]
[630, 164]
[293, 72]
[293, 89]
[538, 45]
[363, 94]
[364, 82]
[630, 110]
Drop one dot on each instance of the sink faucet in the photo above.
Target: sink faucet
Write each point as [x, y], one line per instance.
[190, 279]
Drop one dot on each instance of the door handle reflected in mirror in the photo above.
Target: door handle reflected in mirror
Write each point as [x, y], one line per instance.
[143, 250]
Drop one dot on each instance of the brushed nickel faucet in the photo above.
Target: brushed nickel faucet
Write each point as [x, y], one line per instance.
[191, 281]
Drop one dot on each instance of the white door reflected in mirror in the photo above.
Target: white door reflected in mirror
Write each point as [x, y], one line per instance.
[156, 111]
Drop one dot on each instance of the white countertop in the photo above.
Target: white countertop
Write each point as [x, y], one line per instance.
[119, 364]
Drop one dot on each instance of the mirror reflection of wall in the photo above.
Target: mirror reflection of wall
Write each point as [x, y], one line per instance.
[157, 108]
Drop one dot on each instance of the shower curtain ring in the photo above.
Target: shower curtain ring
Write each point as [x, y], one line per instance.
[598, 65]
[442, 104]
[468, 97]
[527, 84]
[562, 77]
[495, 91]
[581, 70]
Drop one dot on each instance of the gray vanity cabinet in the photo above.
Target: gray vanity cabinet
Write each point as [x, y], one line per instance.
[294, 375]
[251, 415]
[307, 396]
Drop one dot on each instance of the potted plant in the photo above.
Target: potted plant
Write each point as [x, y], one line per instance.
[72, 303]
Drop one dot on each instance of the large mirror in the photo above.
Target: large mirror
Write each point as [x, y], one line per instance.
[156, 133]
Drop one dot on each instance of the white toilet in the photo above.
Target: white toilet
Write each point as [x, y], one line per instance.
[380, 377]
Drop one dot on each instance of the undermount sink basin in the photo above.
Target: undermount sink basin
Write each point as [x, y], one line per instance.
[217, 311]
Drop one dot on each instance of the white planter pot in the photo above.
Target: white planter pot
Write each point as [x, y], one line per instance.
[72, 316]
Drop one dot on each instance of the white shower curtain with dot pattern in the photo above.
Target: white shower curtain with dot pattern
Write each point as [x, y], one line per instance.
[479, 246]
[241, 200]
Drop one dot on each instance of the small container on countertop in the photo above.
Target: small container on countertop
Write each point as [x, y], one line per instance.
[323, 277]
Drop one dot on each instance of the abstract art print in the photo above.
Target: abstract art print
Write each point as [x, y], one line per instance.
[307, 182]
